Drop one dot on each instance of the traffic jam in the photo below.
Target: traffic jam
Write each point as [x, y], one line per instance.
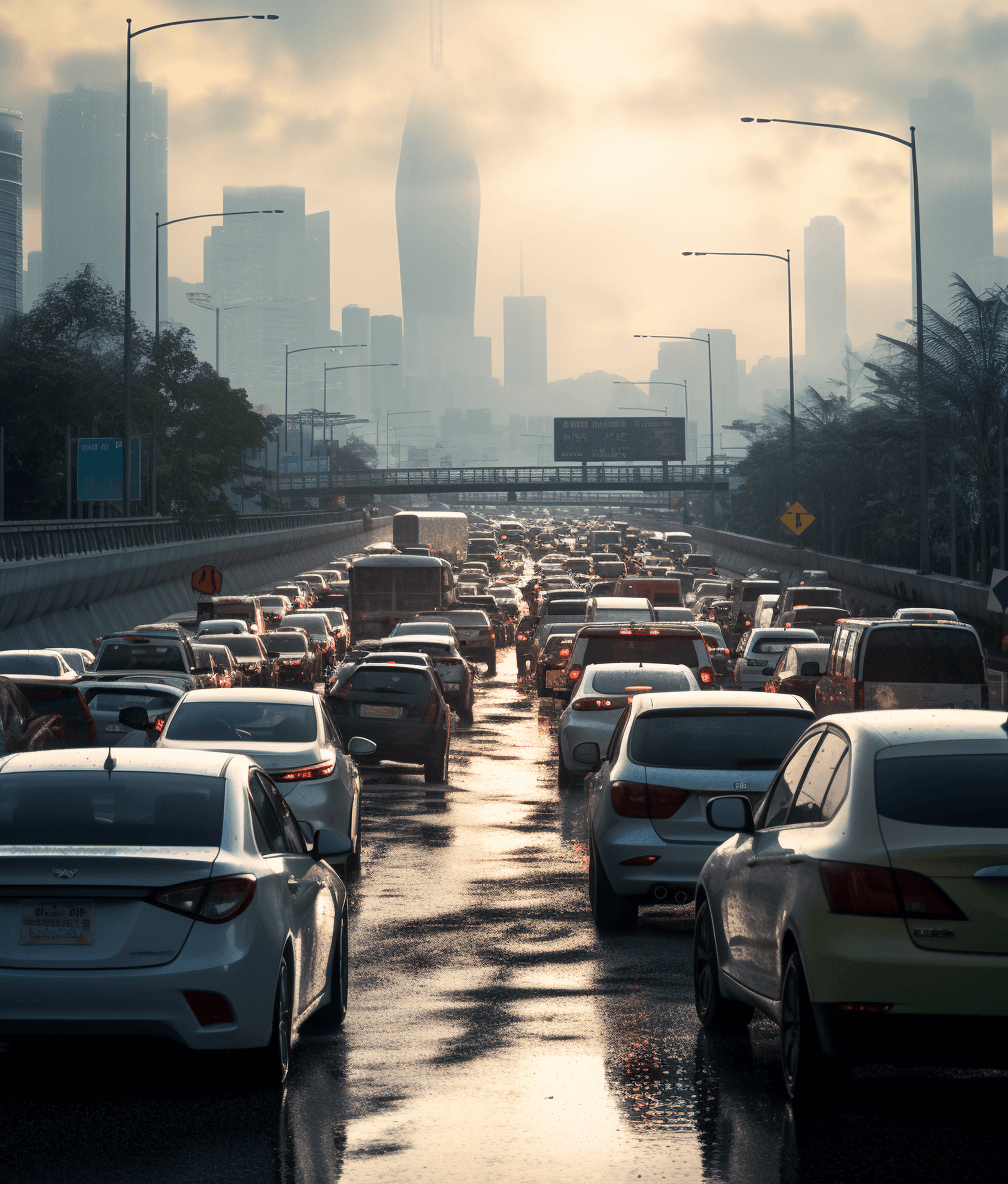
[186, 805]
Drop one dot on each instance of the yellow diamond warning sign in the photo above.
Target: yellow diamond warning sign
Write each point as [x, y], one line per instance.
[797, 518]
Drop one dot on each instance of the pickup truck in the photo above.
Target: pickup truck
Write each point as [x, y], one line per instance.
[163, 657]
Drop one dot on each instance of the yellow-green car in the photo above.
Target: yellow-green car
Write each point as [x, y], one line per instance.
[865, 906]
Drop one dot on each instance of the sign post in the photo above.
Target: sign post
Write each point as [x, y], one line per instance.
[797, 519]
[207, 580]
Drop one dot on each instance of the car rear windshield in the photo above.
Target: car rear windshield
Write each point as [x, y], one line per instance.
[436, 649]
[637, 647]
[214, 720]
[821, 616]
[967, 790]
[616, 682]
[566, 608]
[310, 624]
[244, 647]
[752, 592]
[823, 596]
[923, 654]
[468, 620]
[286, 643]
[114, 701]
[389, 680]
[123, 655]
[770, 645]
[30, 664]
[92, 809]
[729, 739]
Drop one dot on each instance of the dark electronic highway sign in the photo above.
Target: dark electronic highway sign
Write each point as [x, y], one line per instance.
[629, 438]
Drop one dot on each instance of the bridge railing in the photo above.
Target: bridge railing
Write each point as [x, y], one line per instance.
[68, 537]
[560, 475]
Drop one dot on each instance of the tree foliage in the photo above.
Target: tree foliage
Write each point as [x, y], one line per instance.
[61, 365]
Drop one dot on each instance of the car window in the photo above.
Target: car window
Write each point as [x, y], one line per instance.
[269, 834]
[934, 654]
[837, 788]
[848, 665]
[808, 805]
[841, 649]
[617, 736]
[786, 785]
[293, 838]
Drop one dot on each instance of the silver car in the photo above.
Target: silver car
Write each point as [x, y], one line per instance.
[291, 736]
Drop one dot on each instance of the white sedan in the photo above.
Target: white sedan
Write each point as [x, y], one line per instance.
[291, 735]
[587, 723]
[169, 894]
[764, 646]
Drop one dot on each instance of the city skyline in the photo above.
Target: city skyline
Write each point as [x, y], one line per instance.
[544, 126]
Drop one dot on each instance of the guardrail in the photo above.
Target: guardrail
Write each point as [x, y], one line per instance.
[590, 476]
[65, 538]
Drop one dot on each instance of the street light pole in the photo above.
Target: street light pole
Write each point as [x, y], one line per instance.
[655, 382]
[304, 350]
[925, 548]
[786, 259]
[710, 384]
[388, 414]
[127, 293]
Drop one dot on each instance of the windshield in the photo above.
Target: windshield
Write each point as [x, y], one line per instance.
[618, 681]
[122, 655]
[214, 720]
[244, 647]
[127, 809]
[30, 664]
[286, 643]
[733, 739]
[389, 680]
[919, 653]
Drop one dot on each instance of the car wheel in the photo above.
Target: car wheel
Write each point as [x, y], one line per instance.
[609, 911]
[334, 1013]
[564, 779]
[492, 665]
[273, 1061]
[437, 770]
[467, 711]
[802, 1058]
[714, 1012]
[541, 683]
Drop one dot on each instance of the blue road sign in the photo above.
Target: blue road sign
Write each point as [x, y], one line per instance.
[99, 469]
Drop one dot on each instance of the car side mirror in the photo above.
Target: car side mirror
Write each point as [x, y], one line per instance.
[588, 753]
[810, 669]
[272, 653]
[731, 813]
[768, 670]
[330, 844]
[136, 718]
[361, 746]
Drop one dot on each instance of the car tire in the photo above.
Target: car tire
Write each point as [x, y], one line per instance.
[492, 665]
[564, 779]
[541, 683]
[334, 1013]
[270, 1064]
[802, 1059]
[714, 1012]
[466, 712]
[436, 772]
[610, 912]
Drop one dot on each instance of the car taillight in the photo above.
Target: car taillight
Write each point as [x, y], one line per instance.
[159, 722]
[213, 901]
[640, 861]
[923, 898]
[587, 704]
[859, 696]
[634, 799]
[706, 675]
[521, 637]
[306, 772]
[430, 715]
[563, 653]
[861, 890]
[770, 688]
[574, 675]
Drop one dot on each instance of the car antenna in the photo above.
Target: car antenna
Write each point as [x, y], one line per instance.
[110, 763]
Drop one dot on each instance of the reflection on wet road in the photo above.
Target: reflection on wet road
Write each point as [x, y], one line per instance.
[492, 1034]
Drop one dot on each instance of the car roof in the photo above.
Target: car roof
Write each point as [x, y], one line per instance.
[128, 684]
[621, 602]
[919, 726]
[724, 701]
[163, 760]
[389, 643]
[780, 634]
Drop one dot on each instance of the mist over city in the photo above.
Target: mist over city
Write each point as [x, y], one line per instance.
[503, 593]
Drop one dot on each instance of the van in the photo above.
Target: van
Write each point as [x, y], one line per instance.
[233, 608]
[665, 592]
[701, 563]
[808, 596]
[877, 665]
[747, 593]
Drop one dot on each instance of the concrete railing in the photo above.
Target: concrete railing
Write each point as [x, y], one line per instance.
[865, 581]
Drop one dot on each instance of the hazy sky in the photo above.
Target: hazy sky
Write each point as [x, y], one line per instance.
[607, 138]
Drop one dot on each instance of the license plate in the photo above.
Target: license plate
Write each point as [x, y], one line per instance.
[56, 923]
[114, 728]
[380, 711]
[555, 678]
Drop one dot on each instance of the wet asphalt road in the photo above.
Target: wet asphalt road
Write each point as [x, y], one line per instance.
[492, 1034]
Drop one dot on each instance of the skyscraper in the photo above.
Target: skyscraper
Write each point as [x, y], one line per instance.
[825, 293]
[357, 382]
[11, 261]
[956, 192]
[437, 221]
[269, 273]
[83, 187]
[525, 345]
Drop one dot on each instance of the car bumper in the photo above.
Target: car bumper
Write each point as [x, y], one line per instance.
[676, 869]
[150, 1001]
[410, 744]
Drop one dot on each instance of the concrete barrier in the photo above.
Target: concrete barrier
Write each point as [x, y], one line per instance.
[867, 582]
[71, 609]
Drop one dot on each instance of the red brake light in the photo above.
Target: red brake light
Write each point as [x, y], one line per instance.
[922, 898]
[430, 715]
[587, 704]
[629, 799]
[706, 675]
[574, 674]
[665, 800]
[563, 653]
[860, 890]
[306, 772]
[213, 901]
[209, 1008]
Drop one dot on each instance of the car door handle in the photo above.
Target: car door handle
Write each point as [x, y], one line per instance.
[797, 859]
[293, 884]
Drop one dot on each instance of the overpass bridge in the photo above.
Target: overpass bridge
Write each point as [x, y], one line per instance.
[541, 479]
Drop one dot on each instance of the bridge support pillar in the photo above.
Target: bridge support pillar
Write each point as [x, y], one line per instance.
[512, 495]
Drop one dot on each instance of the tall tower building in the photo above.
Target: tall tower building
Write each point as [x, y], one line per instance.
[825, 293]
[11, 215]
[84, 194]
[437, 222]
[956, 193]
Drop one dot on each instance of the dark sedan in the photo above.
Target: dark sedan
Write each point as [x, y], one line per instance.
[257, 667]
[798, 670]
[401, 709]
[298, 664]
